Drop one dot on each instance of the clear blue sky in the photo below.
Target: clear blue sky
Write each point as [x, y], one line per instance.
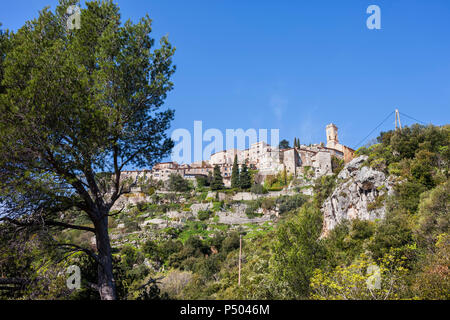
[296, 65]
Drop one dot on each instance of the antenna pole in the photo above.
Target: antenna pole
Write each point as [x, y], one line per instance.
[397, 120]
[240, 258]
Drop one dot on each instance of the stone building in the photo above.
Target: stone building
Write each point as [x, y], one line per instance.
[268, 160]
[333, 143]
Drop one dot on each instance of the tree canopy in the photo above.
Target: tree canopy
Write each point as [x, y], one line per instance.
[284, 144]
[217, 181]
[77, 103]
[235, 173]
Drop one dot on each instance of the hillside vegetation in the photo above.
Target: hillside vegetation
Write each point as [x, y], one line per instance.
[195, 256]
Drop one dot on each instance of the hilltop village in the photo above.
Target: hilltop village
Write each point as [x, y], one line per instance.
[267, 159]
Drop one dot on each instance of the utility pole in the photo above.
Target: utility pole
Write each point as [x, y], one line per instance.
[397, 120]
[240, 258]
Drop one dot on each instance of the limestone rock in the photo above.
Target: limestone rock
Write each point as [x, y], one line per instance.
[357, 195]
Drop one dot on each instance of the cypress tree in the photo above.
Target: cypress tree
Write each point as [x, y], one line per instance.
[244, 178]
[217, 182]
[235, 173]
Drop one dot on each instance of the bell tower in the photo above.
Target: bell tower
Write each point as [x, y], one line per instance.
[332, 136]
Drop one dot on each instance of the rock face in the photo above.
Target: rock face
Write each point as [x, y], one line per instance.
[360, 194]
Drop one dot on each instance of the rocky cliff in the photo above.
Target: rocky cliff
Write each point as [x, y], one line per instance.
[360, 193]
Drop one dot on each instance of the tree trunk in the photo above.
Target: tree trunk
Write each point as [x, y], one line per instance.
[106, 283]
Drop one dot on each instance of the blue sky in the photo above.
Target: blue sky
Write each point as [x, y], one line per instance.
[296, 65]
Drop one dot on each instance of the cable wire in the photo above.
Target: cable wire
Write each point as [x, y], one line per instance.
[403, 114]
[371, 132]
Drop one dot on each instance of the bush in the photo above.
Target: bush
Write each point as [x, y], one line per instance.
[297, 251]
[433, 215]
[178, 184]
[267, 203]
[204, 215]
[288, 203]
[168, 248]
[252, 207]
[258, 189]
[323, 188]
[337, 164]
[433, 282]
[131, 225]
[150, 249]
[202, 181]
[393, 232]
[231, 242]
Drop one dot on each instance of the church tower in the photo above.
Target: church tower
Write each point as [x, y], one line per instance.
[332, 136]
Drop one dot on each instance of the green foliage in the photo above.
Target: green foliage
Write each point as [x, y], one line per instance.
[433, 281]
[202, 181]
[347, 241]
[284, 144]
[290, 259]
[245, 180]
[4, 48]
[288, 203]
[378, 203]
[217, 206]
[337, 164]
[278, 181]
[408, 195]
[258, 189]
[130, 256]
[252, 207]
[393, 232]
[75, 103]
[362, 280]
[217, 182]
[178, 184]
[231, 242]
[235, 175]
[297, 251]
[204, 215]
[323, 188]
[193, 228]
[433, 218]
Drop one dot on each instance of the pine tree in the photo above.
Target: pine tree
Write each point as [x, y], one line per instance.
[284, 144]
[217, 182]
[79, 102]
[244, 178]
[235, 173]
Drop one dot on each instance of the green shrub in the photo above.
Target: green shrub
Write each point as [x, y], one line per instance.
[231, 242]
[377, 204]
[252, 207]
[288, 203]
[267, 203]
[204, 215]
[178, 184]
[258, 189]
